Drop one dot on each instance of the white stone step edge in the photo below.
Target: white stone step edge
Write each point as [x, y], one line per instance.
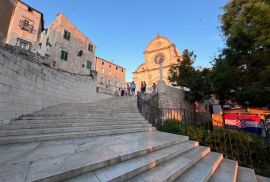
[203, 169]
[69, 173]
[246, 175]
[56, 136]
[20, 132]
[173, 168]
[66, 125]
[133, 167]
[226, 171]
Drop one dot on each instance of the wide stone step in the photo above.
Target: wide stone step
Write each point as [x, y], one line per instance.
[82, 117]
[128, 169]
[203, 170]
[82, 120]
[226, 172]
[19, 125]
[88, 114]
[18, 132]
[144, 152]
[170, 170]
[246, 175]
[56, 136]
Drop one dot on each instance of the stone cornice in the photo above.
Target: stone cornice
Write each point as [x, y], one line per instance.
[153, 69]
[160, 49]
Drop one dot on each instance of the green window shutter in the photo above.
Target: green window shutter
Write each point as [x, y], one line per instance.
[67, 35]
[89, 65]
[64, 55]
[90, 47]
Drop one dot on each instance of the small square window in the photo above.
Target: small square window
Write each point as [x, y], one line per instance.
[122, 70]
[116, 68]
[64, 55]
[110, 66]
[90, 47]
[102, 63]
[89, 65]
[67, 35]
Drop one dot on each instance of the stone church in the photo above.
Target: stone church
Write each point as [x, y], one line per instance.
[149, 71]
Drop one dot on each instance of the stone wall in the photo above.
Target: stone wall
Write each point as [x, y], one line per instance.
[27, 85]
[170, 97]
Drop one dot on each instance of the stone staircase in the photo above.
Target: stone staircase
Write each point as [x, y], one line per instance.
[110, 116]
[106, 141]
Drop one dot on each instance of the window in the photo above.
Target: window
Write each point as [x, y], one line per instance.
[67, 35]
[27, 25]
[23, 44]
[102, 63]
[110, 66]
[90, 47]
[64, 55]
[89, 65]
[116, 68]
[122, 70]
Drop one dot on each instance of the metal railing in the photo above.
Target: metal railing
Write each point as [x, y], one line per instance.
[248, 149]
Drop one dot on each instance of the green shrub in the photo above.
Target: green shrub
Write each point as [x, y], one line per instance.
[248, 149]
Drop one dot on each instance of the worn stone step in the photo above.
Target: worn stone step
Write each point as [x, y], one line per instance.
[82, 117]
[83, 120]
[56, 136]
[68, 124]
[128, 169]
[226, 171]
[144, 152]
[202, 170]
[88, 114]
[246, 175]
[173, 168]
[262, 179]
[19, 132]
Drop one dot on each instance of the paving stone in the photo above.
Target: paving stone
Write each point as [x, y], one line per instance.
[60, 168]
[14, 172]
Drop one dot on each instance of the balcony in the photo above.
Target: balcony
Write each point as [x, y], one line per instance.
[25, 25]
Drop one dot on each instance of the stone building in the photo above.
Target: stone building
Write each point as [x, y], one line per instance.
[109, 73]
[25, 26]
[150, 70]
[6, 10]
[67, 46]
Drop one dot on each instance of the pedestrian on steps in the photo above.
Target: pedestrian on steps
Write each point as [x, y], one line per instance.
[133, 88]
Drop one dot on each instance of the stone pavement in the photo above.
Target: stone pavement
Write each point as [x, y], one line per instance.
[105, 141]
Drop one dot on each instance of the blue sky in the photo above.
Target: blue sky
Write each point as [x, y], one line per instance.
[121, 29]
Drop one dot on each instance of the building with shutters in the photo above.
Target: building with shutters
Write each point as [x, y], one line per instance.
[110, 74]
[25, 26]
[68, 48]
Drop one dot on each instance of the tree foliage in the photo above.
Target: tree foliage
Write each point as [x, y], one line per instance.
[198, 81]
[242, 70]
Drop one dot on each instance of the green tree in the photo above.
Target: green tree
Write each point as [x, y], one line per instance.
[198, 81]
[242, 70]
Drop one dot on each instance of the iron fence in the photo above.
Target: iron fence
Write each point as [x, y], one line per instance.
[248, 149]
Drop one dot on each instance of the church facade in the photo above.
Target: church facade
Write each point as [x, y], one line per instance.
[150, 70]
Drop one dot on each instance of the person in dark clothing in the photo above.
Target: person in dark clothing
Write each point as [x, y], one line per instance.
[122, 92]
